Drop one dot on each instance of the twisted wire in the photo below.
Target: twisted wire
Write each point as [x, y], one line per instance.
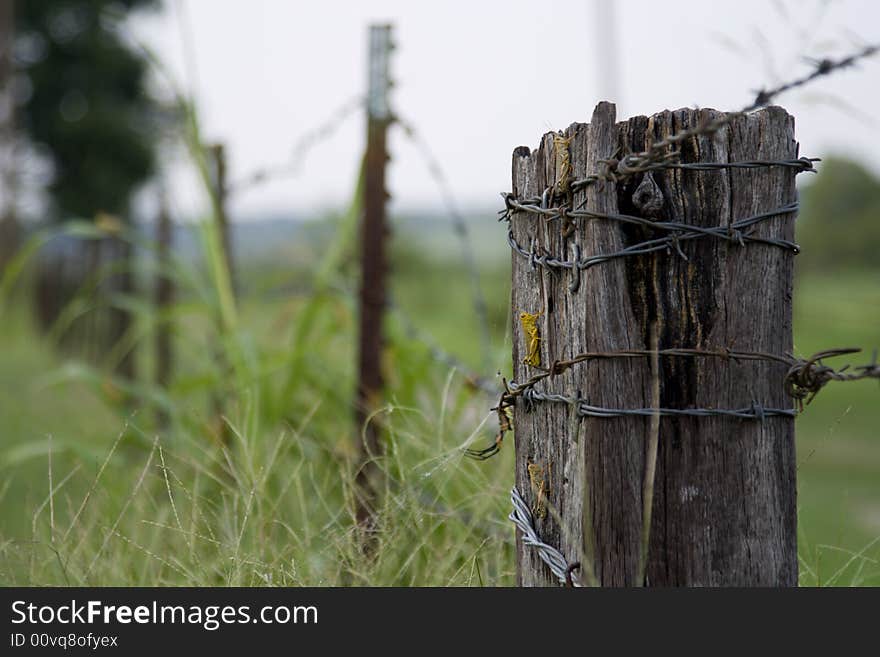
[805, 378]
[521, 516]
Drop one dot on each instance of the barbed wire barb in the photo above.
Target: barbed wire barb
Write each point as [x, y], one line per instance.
[460, 228]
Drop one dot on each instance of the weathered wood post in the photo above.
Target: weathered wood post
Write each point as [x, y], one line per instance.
[124, 318]
[724, 494]
[164, 297]
[373, 260]
[222, 396]
[221, 196]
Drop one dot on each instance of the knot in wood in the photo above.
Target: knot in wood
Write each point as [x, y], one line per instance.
[648, 197]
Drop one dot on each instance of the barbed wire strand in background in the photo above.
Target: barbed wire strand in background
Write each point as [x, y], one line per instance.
[437, 353]
[460, 227]
[311, 139]
[656, 153]
[301, 148]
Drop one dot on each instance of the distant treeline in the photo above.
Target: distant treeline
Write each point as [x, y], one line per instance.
[839, 224]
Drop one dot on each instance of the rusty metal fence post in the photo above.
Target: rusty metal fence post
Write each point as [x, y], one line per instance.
[374, 234]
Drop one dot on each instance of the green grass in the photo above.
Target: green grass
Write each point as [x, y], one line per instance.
[839, 435]
[133, 505]
[95, 494]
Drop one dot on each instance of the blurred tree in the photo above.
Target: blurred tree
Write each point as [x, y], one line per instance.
[82, 97]
[84, 100]
[8, 220]
[839, 225]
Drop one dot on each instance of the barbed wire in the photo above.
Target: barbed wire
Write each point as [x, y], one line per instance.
[803, 379]
[738, 232]
[303, 145]
[755, 412]
[656, 154]
[460, 227]
[437, 353]
[806, 378]
[311, 139]
[472, 379]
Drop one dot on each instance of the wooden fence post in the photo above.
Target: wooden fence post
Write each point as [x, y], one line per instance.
[164, 298]
[724, 508]
[221, 192]
[220, 401]
[373, 259]
[124, 319]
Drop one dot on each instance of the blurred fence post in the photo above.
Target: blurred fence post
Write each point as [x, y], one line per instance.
[720, 496]
[374, 235]
[220, 401]
[221, 193]
[124, 256]
[164, 299]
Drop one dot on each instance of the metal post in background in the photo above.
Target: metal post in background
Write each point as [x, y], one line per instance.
[164, 298]
[373, 258]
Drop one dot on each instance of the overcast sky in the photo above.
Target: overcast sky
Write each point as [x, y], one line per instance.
[479, 78]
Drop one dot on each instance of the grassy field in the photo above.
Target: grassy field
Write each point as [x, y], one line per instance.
[839, 435]
[94, 493]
